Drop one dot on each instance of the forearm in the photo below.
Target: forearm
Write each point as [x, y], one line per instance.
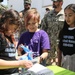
[59, 57]
[44, 55]
[9, 64]
[19, 52]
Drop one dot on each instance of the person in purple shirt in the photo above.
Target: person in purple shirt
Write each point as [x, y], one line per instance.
[35, 39]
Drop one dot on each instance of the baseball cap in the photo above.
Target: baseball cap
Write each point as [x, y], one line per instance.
[27, 1]
[58, 0]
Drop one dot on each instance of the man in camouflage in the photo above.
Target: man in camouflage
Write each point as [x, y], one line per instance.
[27, 6]
[52, 23]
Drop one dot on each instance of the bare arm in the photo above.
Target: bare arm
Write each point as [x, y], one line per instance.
[19, 51]
[15, 64]
[43, 55]
[59, 57]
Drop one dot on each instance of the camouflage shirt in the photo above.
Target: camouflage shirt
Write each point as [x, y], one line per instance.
[52, 23]
[22, 29]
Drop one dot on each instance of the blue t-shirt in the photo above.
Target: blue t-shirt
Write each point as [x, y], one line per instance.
[36, 41]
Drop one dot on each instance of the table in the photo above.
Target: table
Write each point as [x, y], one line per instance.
[60, 71]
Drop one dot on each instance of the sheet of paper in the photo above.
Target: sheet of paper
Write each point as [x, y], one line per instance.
[37, 67]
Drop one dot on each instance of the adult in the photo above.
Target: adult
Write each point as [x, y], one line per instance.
[52, 23]
[27, 6]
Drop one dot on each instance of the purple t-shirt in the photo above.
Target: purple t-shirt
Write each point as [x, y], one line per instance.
[36, 41]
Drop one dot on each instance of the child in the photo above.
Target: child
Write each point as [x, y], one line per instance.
[66, 52]
[35, 39]
[5, 64]
[9, 23]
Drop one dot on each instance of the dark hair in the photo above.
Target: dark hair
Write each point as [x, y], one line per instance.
[71, 6]
[65, 25]
[9, 17]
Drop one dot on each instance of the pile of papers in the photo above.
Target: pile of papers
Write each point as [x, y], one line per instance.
[39, 69]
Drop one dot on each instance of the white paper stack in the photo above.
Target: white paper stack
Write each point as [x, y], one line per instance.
[39, 69]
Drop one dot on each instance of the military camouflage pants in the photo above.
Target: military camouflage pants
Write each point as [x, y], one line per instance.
[52, 54]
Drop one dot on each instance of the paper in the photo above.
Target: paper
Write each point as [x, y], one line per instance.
[37, 67]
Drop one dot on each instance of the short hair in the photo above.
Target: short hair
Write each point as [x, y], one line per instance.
[31, 13]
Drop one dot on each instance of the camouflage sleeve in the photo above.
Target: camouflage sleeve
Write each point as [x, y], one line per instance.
[44, 23]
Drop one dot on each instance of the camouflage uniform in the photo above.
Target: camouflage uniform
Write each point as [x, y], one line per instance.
[52, 23]
[22, 17]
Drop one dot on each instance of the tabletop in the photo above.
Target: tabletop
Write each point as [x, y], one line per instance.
[60, 71]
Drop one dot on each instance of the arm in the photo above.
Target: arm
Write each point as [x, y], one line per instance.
[19, 54]
[20, 42]
[21, 47]
[19, 50]
[59, 54]
[44, 54]
[59, 57]
[15, 64]
[45, 45]
[44, 23]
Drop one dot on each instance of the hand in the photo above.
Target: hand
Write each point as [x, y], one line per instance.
[20, 50]
[25, 63]
[19, 57]
[40, 59]
[19, 47]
